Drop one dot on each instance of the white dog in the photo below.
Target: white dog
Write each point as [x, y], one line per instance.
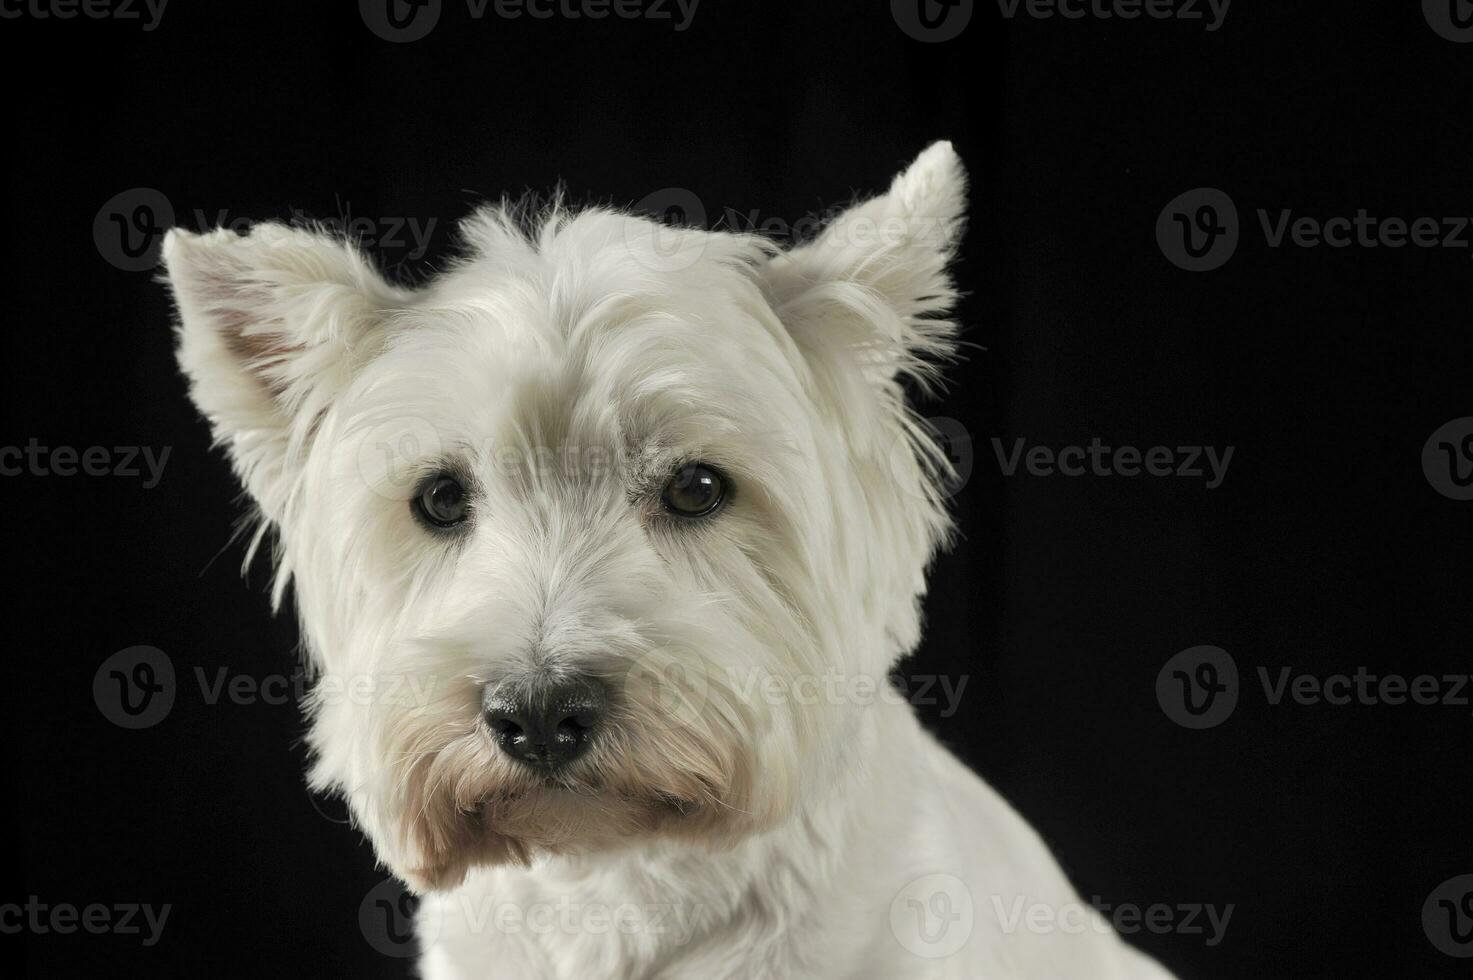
[604, 542]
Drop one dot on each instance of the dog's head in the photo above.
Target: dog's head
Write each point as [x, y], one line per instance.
[587, 531]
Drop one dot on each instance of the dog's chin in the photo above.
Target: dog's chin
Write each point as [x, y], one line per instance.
[518, 827]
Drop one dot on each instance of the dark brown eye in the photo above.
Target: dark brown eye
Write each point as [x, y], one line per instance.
[694, 491]
[442, 501]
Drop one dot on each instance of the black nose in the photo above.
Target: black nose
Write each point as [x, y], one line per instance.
[549, 725]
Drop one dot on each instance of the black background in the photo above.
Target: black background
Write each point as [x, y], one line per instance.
[1325, 549]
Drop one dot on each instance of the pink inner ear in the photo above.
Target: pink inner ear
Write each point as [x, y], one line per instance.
[232, 309]
[257, 349]
[237, 308]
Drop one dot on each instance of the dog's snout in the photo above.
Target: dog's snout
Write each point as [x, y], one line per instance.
[549, 725]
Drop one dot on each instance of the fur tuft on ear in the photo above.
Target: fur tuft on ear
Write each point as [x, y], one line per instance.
[272, 325]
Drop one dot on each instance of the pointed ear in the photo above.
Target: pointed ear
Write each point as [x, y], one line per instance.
[272, 326]
[866, 303]
[869, 295]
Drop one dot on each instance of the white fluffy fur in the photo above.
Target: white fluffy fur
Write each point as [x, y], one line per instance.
[567, 363]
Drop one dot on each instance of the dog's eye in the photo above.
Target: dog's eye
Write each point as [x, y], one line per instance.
[442, 501]
[694, 491]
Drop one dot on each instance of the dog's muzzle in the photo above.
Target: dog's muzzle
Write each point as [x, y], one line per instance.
[548, 726]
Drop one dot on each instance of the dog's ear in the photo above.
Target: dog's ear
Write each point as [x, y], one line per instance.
[871, 291]
[866, 302]
[272, 325]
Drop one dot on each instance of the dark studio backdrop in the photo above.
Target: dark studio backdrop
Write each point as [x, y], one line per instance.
[1127, 282]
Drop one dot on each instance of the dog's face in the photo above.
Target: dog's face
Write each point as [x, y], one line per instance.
[593, 534]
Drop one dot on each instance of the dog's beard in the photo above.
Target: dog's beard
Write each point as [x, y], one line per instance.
[459, 802]
[685, 749]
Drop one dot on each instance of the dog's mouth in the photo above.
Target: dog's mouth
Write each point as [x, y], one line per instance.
[514, 826]
[573, 792]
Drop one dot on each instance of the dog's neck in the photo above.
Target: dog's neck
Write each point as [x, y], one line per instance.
[658, 906]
